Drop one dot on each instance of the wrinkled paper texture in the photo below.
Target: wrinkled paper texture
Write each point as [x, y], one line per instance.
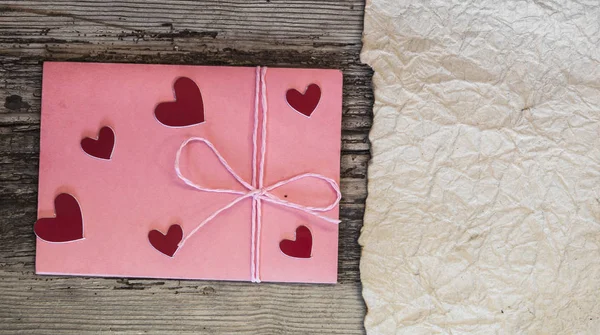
[483, 214]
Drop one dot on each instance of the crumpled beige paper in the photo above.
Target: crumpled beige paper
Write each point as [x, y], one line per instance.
[483, 215]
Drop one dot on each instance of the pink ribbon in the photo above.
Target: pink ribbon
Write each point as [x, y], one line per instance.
[256, 190]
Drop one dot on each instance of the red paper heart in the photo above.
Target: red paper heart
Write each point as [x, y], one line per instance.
[186, 110]
[301, 247]
[66, 226]
[101, 147]
[304, 103]
[167, 244]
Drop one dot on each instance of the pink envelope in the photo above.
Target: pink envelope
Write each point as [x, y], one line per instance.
[112, 203]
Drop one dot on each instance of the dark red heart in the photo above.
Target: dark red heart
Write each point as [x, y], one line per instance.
[186, 110]
[301, 247]
[103, 146]
[304, 103]
[169, 243]
[66, 226]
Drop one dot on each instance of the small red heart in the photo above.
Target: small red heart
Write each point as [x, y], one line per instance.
[169, 243]
[304, 103]
[103, 146]
[66, 226]
[186, 110]
[301, 247]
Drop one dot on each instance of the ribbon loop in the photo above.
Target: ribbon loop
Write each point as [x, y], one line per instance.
[333, 185]
[221, 160]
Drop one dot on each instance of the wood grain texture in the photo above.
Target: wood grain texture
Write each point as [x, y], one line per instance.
[294, 33]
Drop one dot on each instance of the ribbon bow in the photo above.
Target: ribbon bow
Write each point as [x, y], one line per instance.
[256, 190]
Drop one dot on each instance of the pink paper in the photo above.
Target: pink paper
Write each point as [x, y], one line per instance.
[137, 190]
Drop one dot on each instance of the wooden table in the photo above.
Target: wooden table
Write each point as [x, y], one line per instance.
[294, 33]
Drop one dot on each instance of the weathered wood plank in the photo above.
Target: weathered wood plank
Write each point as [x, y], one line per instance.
[295, 33]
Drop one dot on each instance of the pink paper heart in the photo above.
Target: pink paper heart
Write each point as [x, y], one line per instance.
[299, 248]
[186, 110]
[166, 243]
[103, 146]
[66, 226]
[305, 103]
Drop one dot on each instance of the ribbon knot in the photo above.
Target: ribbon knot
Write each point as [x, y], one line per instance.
[258, 193]
[255, 190]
